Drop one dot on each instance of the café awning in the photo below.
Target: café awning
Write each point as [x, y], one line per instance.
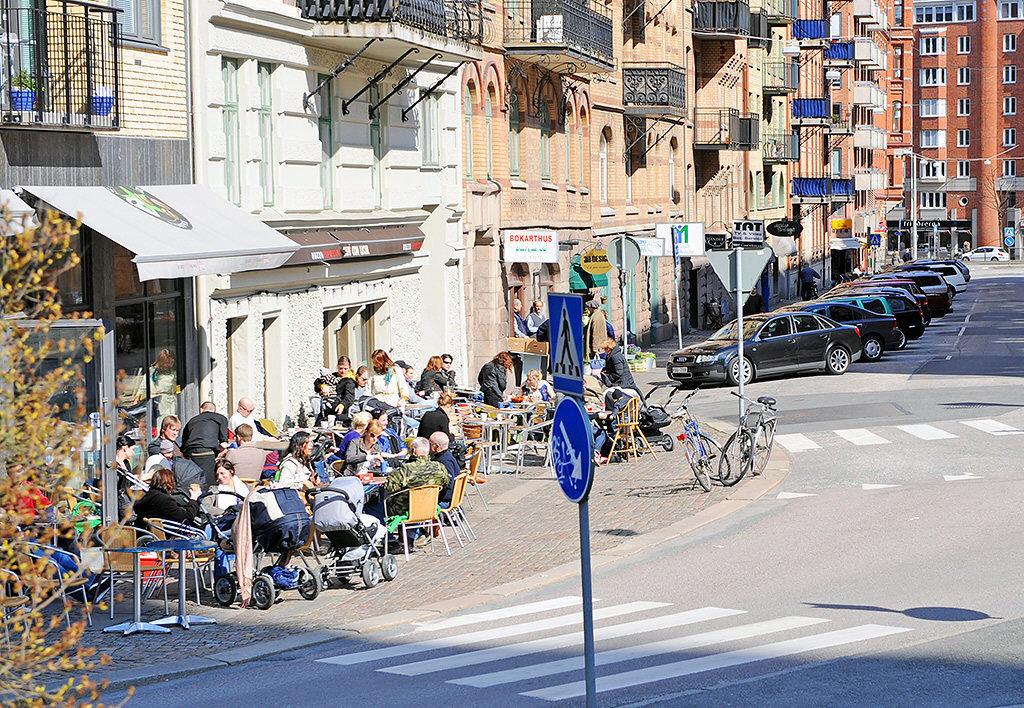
[175, 231]
[345, 242]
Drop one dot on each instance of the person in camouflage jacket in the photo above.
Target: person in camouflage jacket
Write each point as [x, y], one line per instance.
[418, 471]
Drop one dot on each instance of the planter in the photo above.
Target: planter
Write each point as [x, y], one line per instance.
[23, 99]
[642, 364]
[102, 105]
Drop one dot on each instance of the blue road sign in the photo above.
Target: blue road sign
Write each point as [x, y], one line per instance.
[1009, 236]
[565, 337]
[572, 449]
[874, 239]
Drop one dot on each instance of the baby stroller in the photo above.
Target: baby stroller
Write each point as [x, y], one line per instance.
[653, 421]
[354, 539]
[280, 524]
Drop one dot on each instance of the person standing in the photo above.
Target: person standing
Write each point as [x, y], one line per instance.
[536, 318]
[493, 378]
[518, 321]
[203, 438]
[616, 370]
[597, 329]
[754, 303]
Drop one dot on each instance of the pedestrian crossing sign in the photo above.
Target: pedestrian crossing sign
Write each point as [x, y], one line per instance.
[566, 337]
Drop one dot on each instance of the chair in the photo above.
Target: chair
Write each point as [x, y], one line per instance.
[165, 529]
[56, 585]
[454, 514]
[120, 566]
[627, 431]
[474, 467]
[534, 434]
[338, 468]
[10, 600]
[423, 514]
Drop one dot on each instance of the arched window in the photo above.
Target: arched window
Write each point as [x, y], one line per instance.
[567, 139]
[514, 126]
[579, 144]
[489, 130]
[545, 142]
[603, 169]
[672, 148]
[467, 128]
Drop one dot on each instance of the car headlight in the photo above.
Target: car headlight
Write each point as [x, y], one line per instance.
[705, 359]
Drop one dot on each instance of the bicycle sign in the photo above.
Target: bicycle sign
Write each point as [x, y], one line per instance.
[572, 449]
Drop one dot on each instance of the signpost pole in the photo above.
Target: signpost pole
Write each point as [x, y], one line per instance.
[589, 663]
[622, 288]
[679, 300]
[737, 252]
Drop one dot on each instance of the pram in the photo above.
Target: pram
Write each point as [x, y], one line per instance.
[653, 417]
[280, 524]
[354, 539]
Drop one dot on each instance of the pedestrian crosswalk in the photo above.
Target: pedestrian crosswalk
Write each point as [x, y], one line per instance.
[801, 442]
[649, 642]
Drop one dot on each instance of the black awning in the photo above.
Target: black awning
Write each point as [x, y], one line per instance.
[348, 242]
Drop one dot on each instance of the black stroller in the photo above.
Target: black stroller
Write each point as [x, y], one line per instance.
[354, 539]
[653, 417]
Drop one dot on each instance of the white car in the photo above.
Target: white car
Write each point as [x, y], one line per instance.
[951, 273]
[986, 253]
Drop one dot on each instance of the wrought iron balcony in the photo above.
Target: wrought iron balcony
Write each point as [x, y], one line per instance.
[840, 120]
[777, 147]
[576, 32]
[721, 18]
[725, 129]
[781, 77]
[60, 65]
[839, 54]
[452, 27]
[653, 89]
[749, 136]
[822, 189]
[781, 12]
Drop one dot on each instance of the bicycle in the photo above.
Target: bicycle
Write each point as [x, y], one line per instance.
[701, 449]
[750, 447]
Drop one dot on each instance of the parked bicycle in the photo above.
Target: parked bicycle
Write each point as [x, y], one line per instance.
[750, 447]
[702, 452]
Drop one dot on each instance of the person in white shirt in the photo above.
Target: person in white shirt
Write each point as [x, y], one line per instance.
[245, 413]
[227, 481]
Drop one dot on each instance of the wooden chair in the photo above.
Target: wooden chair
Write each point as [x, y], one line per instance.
[454, 514]
[423, 514]
[627, 431]
[120, 566]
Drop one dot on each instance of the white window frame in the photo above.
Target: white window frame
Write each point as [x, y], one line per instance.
[1009, 10]
[1009, 42]
[932, 139]
[963, 137]
[1009, 168]
[1009, 105]
[932, 46]
[963, 44]
[932, 200]
[965, 12]
[932, 107]
[1009, 137]
[963, 169]
[429, 130]
[933, 76]
[963, 106]
[933, 169]
[963, 76]
[1009, 73]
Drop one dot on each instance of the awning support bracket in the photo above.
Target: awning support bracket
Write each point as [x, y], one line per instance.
[644, 133]
[430, 91]
[336, 72]
[376, 79]
[372, 110]
[641, 4]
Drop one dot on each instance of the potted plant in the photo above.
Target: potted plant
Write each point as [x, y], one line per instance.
[102, 101]
[23, 92]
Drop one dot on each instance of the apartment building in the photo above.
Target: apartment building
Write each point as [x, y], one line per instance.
[965, 127]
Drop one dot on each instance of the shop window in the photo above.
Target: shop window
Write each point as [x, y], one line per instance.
[274, 377]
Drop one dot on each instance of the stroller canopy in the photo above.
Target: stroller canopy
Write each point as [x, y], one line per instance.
[279, 519]
[337, 507]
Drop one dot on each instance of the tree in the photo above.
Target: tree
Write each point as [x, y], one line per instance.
[40, 401]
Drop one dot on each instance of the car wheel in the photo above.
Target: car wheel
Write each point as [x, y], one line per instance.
[837, 361]
[993, 258]
[927, 321]
[734, 371]
[872, 348]
[901, 339]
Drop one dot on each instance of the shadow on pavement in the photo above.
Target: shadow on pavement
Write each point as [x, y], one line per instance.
[934, 614]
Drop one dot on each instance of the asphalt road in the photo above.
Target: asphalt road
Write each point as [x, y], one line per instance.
[884, 571]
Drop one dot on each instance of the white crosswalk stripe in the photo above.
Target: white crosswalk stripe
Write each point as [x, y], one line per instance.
[926, 432]
[800, 442]
[530, 608]
[861, 436]
[992, 427]
[796, 442]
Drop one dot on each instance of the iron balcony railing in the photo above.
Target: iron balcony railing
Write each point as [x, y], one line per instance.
[722, 17]
[781, 77]
[780, 146]
[459, 20]
[749, 136]
[760, 31]
[725, 129]
[781, 12]
[653, 89]
[60, 65]
[840, 120]
[581, 26]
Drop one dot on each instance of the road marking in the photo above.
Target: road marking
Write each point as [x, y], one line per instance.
[861, 436]
[869, 487]
[712, 662]
[796, 442]
[926, 432]
[794, 495]
[959, 477]
[486, 635]
[626, 629]
[529, 608]
[992, 427]
[614, 656]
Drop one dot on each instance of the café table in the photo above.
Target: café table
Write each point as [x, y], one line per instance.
[181, 546]
[136, 625]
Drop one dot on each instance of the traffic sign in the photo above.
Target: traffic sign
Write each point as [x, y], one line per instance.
[595, 261]
[874, 239]
[566, 337]
[748, 233]
[687, 239]
[753, 263]
[572, 449]
[1009, 236]
[632, 253]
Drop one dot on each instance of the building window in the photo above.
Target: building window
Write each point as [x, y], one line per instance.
[513, 134]
[963, 75]
[489, 131]
[579, 144]
[933, 169]
[1009, 10]
[672, 171]
[933, 107]
[1009, 168]
[837, 162]
[963, 106]
[897, 117]
[325, 127]
[628, 164]
[933, 46]
[965, 12]
[933, 138]
[232, 164]
[1009, 74]
[430, 147]
[467, 128]
[602, 182]
[963, 138]
[1009, 42]
[377, 138]
[1009, 105]
[897, 57]
[567, 139]
[545, 143]
[265, 112]
[933, 200]
[944, 14]
[933, 77]
[963, 44]
[351, 332]
[963, 169]
[139, 20]
[1009, 137]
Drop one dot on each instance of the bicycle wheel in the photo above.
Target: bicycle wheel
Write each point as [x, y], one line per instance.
[699, 458]
[707, 463]
[736, 457]
[764, 438]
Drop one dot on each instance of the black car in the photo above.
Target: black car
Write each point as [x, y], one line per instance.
[878, 331]
[908, 310]
[773, 344]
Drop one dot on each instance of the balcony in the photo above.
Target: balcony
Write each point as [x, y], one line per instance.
[653, 89]
[810, 111]
[869, 180]
[760, 31]
[780, 77]
[872, 14]
[61, 67]
[779, 147]
[811, 32]
[725, 129]
[727, 19]
[453, 28]
[839, 54]
[576, 32]
[781, 12]
[822, 189]
[870, 55]
[870, 138]
[840, 122]
[749, 136]
[870, 95]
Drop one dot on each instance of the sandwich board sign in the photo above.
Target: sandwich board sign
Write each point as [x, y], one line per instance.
[566, 338]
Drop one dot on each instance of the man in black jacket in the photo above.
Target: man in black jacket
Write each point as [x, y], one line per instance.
[439, 452]
[202, 439]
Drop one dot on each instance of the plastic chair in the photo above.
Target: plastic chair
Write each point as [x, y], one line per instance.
[454, 514]
[120, 566]
[423, 514]
[627, 431]
[534, 434]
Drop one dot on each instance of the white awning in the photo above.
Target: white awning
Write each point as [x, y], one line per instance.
[783, 246]
[17, 214]
[175, 231]
[845, 244]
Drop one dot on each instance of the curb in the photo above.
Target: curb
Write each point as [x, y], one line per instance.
[746, 494]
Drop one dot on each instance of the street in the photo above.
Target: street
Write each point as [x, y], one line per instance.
[884, 570]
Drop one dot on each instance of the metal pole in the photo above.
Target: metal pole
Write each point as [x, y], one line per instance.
[913, 206]
[739, 324]
[622, 287]
[590, 669]
[679, 305]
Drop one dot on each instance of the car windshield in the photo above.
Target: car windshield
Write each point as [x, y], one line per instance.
[750, 328]
[928, 279]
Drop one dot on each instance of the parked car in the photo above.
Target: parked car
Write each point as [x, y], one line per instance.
[878, 331]
[950, 274]
[773, 344]
[898, 303]
[938, 291]
[907, 287]
[986, 253]
[964, 269]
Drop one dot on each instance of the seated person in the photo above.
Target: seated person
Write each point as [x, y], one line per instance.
[331, 406]
[165, 501]
[247, 458]
[418, 471]
[359, 422]
[362, 455]
[228, 481]
[296, 469]
[389, 443]
[439, 452]
[536, 389]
